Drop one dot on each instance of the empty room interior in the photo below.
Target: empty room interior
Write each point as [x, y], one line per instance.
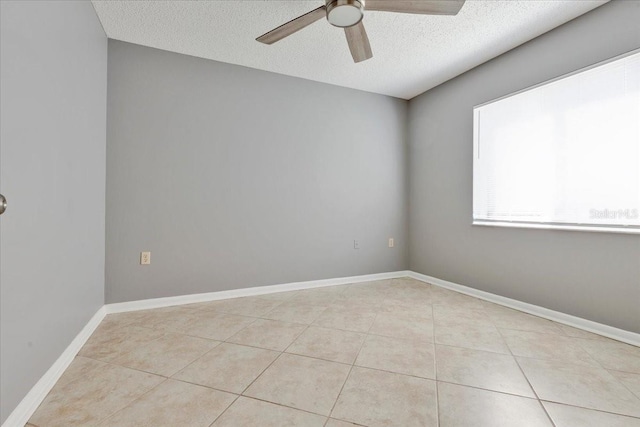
[320, 213]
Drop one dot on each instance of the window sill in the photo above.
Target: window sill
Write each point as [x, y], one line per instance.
[567, 227]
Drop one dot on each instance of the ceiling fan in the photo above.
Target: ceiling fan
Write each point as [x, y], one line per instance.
[348, 14]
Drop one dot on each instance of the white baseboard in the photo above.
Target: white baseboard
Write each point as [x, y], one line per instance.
[25, 409]
[566, 319]
[245, 292]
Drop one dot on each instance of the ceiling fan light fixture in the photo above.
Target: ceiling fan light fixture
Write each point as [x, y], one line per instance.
[348, 14]
[345, 13]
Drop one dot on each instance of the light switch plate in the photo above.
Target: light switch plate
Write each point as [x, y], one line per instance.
[391, 242]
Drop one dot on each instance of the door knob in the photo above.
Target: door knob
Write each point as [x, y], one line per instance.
[3, 204]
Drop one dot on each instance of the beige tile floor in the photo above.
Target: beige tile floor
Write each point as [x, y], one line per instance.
[387, 353]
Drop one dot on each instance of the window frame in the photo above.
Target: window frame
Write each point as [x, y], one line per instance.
[584, 227]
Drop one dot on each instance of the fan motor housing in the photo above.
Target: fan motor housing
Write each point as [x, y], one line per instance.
[345, 13]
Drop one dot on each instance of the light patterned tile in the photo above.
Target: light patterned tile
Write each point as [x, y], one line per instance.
[478, 337]
[571, 416]
[214, 325]
[411, 328]
[247, 306]
[613, 355]
[269, 334]
[108, 345]
[506, 318]
[546, 346]
[409, 282]
[295, 312]
[251, 412]
[375, 398]
[410, 295]
[410, 357]
[173, 403]
[166, 355]
[378, 288]
[441, 296]
[390, 384]
[80, 368]
[462, 406]
[349, 320]
[631, 381]
[228, 367]
[338, 423]
[118, 320]
[329, 344]
[370, 294]
[278, 296]
[301, 382]
[321, 296]
[579, 385]
[482, 369]
[367, 303]
[89, 399]
[446, 315]
[579, 333]
[165, 318]
[406, 308]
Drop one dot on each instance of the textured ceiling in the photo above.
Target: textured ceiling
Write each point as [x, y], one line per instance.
[412, 53]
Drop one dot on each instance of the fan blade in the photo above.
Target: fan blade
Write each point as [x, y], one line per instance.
[292, 26]
[426, 7]
[358, 42]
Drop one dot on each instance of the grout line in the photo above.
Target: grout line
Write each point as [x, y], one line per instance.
[620, 381]
[318, 358]
[473, 349]
[344, 421]
[133, 401]
[119, 366]
[194, 361]
[591, 409]
[205, 386]
[577, 339]
[485, 389]
[535, 393]
[353, 364]
[260, 374]
[435, 363]
[283, 406]
[223, 412]
[296, 339]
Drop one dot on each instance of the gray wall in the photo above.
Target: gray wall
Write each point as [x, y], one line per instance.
[53, 87]
[234, 177]
[592, 275]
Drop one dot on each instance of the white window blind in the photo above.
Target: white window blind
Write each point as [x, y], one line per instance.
[565, 152]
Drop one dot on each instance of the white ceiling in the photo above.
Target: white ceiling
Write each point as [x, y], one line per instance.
[412, 53]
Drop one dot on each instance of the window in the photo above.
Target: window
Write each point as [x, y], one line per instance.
[563, 154]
